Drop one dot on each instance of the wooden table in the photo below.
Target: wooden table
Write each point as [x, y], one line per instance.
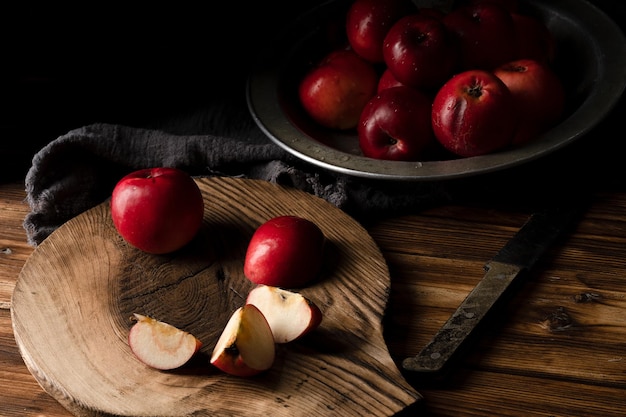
[557, 349]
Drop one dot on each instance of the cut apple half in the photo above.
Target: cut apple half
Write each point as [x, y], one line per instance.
[161, 345]
[290, 314]
[246, 346]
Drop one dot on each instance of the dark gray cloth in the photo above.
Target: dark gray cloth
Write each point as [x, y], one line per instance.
[78, 170]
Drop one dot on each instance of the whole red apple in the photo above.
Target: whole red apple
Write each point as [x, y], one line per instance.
[285, 251]
[473, 114]
[420, 52]
[158, 210]
[334, 92]
[538, 95]
[486, 35]
[396, 125]
[367, 23]
[534, 39]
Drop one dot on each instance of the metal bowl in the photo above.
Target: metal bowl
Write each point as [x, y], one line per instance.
[590, 59]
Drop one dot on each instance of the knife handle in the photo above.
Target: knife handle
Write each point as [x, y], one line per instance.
[438, 352]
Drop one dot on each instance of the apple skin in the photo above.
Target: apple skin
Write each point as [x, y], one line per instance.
[161, 345]
[538, 94]
[368, 21]
[396, 125]
[534, 39]
[420, 52]
[387, 80]
[473, 114]
[485, 33]
[246, 346]
[158, 210]
[334, 92]
[285, 251]
[290, 315]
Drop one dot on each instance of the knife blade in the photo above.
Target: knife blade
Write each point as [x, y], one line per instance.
[519, 255]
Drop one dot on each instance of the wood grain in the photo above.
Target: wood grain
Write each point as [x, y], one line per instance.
[557, 348]
[14, 249]
[518, 367]
[77, 291]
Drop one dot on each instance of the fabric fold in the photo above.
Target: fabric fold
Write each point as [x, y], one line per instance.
[79, 170]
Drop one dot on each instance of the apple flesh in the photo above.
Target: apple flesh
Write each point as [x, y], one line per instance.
[473, 114]
[334, 92]
[161, 345]
[420, 52]
[289, 314]
[285, 251]
[396, 125]
[367, 23]
[246, 346]
[538, 96]
[158, 210]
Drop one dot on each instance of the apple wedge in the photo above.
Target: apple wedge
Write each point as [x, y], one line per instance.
[290, 314]
[161, 345]
[246, 346]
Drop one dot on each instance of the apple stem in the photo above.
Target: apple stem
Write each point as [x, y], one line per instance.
[475, 90]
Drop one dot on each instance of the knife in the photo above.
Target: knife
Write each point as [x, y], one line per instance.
[532, 240]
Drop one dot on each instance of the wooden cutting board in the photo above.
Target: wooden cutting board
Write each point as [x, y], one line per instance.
[72, 307]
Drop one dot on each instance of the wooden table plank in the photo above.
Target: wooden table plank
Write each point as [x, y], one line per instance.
[483, 393]
[529, 362]
[14, 250]
[561, 335]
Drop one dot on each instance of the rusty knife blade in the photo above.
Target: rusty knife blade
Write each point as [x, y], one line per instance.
[520, 253]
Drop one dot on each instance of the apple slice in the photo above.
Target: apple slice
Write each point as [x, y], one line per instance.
[246, 346]
[161, 345]
[289, 314]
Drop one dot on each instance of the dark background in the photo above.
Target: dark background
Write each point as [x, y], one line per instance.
[65, 67]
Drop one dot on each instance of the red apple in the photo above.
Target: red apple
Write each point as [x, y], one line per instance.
[161, 345]
[246, 346]
[289, 314]
[334, 92]
[473, 114]
[534, 40]
[486, 35]
[538, 95]
[285, 251]
[158, 210]
[367, 23]
[420, 52]
[396, 125]
[387, 80]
